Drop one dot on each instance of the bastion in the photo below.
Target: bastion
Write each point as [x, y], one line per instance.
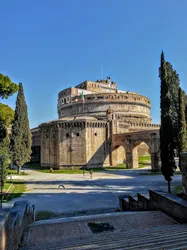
[89, 115]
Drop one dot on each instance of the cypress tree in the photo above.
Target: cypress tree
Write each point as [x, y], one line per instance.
[173, 88]
[166, 129]
[182, 140]
[20, 143]
[186, 107]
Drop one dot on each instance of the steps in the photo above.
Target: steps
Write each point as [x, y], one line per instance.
[141, 202]
[165, 237]
[156, 200]
[136, 228]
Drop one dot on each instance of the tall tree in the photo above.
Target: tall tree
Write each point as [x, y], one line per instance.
[7, 87]
[182, 140]
[186, 107]
[6, 118]
[173, 88]
[20, 143]
[166, 129]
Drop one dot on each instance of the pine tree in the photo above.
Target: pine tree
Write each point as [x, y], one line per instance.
[20, 143]
[166, 129]
[182, 140]
[7, 88]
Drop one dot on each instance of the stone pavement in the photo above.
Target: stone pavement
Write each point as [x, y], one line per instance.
[83, 193]
[128, 230]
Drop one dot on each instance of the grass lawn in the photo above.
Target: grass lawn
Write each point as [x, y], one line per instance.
[17, 189]
[143, 161]
[14, 172]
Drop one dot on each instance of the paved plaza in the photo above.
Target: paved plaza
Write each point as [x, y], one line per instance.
[82, 193]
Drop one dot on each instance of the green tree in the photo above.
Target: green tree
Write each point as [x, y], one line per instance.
[20, 143]
[173, 89]
[186, 107]
[167, 146]
[182, 140]
[6, 115]
[7, 87]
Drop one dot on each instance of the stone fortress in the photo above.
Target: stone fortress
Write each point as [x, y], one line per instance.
[95, 124]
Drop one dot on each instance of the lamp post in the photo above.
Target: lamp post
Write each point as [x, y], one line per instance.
[2, 158]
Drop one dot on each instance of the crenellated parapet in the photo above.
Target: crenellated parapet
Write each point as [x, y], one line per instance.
[143, 126]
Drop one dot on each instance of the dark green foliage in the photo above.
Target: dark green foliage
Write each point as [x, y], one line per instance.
[4, 151]
[186, 107]
[7, 87]
[182, 140]
[6, 115]
[20, 144]
[173, 88]
[167, 143]
[3, 131]
[4, 163]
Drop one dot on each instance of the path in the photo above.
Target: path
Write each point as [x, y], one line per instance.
[83, 193]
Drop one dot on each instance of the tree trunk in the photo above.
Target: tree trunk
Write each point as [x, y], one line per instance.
[18, 169]
[169, 187]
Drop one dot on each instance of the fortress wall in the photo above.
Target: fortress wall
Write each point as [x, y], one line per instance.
[118, 156]
[49, 148]
[72, 145]
[97, 148]
[63, 144]
[132, 111]
[143, 149]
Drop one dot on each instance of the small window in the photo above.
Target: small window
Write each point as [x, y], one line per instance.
[77, 134]
[62, 101]
[67, 135]
[62, 114]
[95, 134]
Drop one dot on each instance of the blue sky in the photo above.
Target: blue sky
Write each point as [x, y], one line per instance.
[49, 45]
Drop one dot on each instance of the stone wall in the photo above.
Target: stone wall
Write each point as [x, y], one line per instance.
[127, 106]
[74, 143]
[13, 224]
[97, 144]
[49, 145]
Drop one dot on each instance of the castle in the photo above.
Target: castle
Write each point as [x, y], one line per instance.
[89, 115]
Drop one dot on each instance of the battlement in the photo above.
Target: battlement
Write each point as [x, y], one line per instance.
[144, 126]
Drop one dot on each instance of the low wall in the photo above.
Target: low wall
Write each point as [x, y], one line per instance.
[171, 204]
[156, 200]
[13, 223]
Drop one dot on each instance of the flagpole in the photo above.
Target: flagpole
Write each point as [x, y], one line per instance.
[82, 97]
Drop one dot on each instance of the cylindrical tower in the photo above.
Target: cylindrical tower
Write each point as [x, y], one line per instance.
[128, 106]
